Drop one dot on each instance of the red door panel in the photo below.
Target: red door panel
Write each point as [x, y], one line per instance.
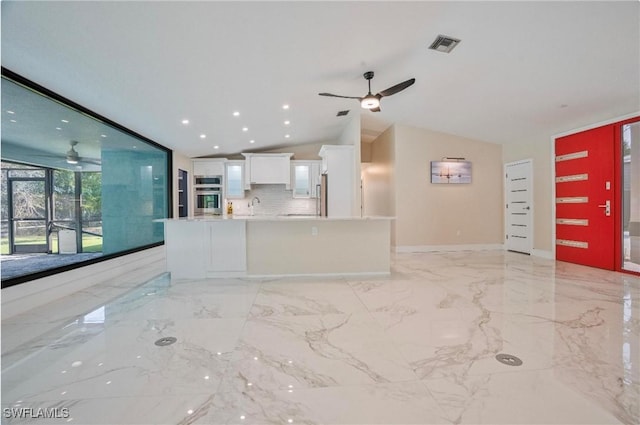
[585, 162]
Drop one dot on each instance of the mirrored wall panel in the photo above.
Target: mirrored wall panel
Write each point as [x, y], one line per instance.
[75, 189]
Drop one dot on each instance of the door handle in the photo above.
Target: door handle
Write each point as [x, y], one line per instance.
[607, 208]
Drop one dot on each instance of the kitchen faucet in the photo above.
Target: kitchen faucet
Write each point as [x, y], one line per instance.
[255, 198]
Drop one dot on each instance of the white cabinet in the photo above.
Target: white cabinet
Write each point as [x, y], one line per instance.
[198, 249]
[267, 169]
[305, 175]
[227, 246]
[208, 167]
[234, 179]
[338, 162]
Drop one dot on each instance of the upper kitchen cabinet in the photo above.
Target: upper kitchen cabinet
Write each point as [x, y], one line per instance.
[234, 179]
[208, 166]
[267, 168]
[305, 176]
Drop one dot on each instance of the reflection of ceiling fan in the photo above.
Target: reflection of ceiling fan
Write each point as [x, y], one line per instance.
[372, 101]
[73, 157]
[72, 154]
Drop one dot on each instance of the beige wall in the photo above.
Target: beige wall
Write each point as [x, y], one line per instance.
[540, 153]
[377, 179]
[365, 151]
[438, 214]
[397, 183]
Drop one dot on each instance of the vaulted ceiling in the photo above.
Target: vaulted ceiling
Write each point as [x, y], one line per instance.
[522, 72]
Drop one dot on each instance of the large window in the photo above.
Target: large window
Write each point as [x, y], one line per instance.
[75, 187]
[631, 197]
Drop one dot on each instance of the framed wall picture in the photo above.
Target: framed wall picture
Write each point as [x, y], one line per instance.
[450, 172]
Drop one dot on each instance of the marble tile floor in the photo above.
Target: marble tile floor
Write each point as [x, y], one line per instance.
[416, 347]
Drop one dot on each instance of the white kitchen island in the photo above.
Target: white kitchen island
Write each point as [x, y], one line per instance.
[258, 246]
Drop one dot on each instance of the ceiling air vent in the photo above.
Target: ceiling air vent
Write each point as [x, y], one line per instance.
[342, 113]
[443, 43]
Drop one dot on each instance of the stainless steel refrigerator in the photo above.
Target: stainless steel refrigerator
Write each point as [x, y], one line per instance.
[322, 196]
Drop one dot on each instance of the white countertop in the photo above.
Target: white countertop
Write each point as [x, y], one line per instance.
[260, 217]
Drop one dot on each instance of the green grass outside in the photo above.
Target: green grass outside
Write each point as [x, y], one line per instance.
[90, 243]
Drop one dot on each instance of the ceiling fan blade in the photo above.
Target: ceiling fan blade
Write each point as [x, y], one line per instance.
[397, 88]
[335, 95]
[92, 161]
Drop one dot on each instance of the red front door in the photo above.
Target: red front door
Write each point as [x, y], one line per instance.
[585, 197]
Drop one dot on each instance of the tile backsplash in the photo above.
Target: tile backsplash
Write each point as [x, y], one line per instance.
[274, 200]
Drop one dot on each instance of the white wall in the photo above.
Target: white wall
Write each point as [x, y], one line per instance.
[274, 200]
[351, 136]
[541, 154]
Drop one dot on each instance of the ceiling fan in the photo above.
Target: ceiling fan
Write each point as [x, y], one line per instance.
[73, 157]
[372, 101]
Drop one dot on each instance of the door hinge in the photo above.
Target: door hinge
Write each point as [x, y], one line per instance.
[507, 206]
[506, 236]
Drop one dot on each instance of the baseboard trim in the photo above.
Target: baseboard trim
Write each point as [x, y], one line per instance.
[449, 248]
[351, 274]
[542, 253]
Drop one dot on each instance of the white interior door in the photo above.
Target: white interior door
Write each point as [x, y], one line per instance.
[518, 206]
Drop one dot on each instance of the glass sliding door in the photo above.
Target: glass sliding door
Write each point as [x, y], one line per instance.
[28, 216]
[631, 197]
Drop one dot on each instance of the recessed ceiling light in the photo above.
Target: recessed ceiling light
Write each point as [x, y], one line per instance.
[185, 122]
[14, 121]
[252, 141]
[287, 122]
[285, 106]
[10, 112]
[236, 114]
[245, 129]
[58, 128]
[286, 136]
[65, 121]
[103, 135]
[216, 147]
[203, 136]
[135, 147]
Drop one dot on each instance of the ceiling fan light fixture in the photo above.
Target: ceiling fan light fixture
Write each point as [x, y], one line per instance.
[370, 102]
[72, 154]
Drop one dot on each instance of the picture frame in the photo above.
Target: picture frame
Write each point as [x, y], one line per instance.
[450, 172]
